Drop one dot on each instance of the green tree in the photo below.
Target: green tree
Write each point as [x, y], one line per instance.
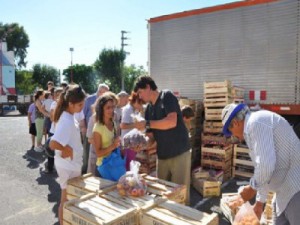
[109, 67]
[83, 75]
[24, 82]
[17, 41]
[44, 73]
[130, 74]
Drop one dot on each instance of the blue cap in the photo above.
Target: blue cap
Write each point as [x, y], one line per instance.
[228, 113]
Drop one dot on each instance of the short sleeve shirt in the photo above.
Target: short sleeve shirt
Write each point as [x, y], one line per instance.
[174, 141]
[107, 138]
[67, 133]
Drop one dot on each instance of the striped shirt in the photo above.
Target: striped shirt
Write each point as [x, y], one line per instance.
[275, 152]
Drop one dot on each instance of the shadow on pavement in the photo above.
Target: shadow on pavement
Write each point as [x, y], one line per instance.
[53, 187]
[34, 158]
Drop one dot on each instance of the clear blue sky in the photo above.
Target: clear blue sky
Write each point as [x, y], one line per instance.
[89, 26]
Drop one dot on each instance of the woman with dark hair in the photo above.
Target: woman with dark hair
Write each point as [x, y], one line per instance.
[104, 131]
[40, 112]
[66, 139]
[131, 111]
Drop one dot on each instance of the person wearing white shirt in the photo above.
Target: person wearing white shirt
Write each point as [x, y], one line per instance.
[275, 152]
[131, 113]
[66, 139]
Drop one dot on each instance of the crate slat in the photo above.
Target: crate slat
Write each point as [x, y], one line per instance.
[85, 184]
[169, 212]
[94, 210]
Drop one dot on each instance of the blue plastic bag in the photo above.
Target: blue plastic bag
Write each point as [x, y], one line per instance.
[113, 166]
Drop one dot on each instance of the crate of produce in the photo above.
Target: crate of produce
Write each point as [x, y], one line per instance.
[215, 139]
[213, 114]
[214, 127]
[230, 211]
[140, 202]
[242, 171]
[93, 210]
[86, 184]
[217, 152]
[170, 190]
[168, 213]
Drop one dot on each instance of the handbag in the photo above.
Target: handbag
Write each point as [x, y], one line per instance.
[113, 166]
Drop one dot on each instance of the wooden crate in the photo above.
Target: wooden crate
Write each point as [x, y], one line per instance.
[227, 212]
[239, 173]
[142, 202]
[94, 210]
[211, 88]
[185, 101]
[207, 188]
[221, 101]
[213, 114]
[212, 164]
[86, 184]
[238, 92]
[172, 191]
[240, 149]
[220, 153]
[212, 127]
[169, 213]
[214, 139]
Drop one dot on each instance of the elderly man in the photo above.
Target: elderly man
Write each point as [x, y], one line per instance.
[87, 111]
[275, 152]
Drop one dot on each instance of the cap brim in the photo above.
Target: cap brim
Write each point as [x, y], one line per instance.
[225, 130]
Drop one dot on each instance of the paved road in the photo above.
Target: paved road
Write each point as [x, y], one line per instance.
[28, 196]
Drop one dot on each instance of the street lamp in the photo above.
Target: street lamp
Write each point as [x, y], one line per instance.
[123, 44]
[71, 50]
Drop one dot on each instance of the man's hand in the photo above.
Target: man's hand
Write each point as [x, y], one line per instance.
[248, 193]
[67, 152]
[258, 208]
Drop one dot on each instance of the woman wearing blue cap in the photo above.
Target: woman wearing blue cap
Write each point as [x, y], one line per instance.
[275, 152]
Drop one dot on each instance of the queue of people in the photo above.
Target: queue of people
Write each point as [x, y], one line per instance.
[86, 131]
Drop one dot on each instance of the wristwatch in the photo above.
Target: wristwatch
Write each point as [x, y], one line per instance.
[147, 126]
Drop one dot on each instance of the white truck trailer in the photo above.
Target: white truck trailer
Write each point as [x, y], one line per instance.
[254, 44]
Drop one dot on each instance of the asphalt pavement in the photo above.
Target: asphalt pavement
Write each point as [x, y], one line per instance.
[29, 196]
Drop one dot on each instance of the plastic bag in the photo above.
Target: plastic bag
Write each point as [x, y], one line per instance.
[135, 139]
[246, 216]
[234, 202]
[137, 117]
[113, 166]
[132, 184]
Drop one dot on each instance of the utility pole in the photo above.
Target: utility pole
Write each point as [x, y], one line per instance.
[71, 50]
[123, 44]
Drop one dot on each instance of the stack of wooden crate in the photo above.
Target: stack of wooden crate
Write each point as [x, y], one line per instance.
[196, 127]
[147, 158]
[216, 151]
[242, 164]
[238, 94]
